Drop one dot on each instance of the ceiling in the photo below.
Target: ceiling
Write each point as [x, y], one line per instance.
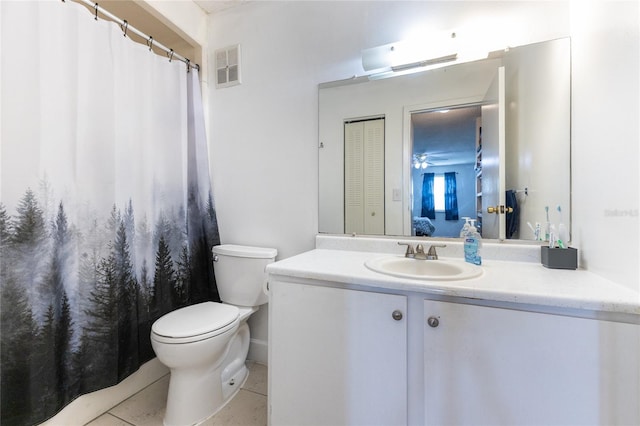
[215, 6]
[142, 20]
[437, 134]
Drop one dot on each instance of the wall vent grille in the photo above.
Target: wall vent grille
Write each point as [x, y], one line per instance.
[228, 66]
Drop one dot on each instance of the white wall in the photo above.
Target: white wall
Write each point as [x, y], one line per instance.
[538, 93]
[605, 138]
[264, 132]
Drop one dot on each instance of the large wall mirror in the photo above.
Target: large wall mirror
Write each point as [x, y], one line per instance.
[413, 155]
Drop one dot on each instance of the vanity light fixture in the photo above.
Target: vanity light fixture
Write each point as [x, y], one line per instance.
[426, 63]
[407, 55]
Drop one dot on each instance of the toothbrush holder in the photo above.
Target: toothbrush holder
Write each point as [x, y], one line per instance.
[559, 258]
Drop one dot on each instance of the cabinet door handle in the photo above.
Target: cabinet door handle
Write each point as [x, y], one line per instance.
[433, 322]
[396, 315]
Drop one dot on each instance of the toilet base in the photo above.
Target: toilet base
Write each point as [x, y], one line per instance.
[234, 383]
[196, 395]
[229, 390]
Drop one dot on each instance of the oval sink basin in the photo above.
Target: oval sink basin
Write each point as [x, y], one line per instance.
[420, 269]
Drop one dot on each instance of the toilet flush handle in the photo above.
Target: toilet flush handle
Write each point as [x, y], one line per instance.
[215, 258]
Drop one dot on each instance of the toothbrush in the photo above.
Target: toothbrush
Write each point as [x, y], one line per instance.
[560, 212]
[547, 229]
[562, 230]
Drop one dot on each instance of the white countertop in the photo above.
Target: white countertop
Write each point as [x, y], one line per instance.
[502, 281]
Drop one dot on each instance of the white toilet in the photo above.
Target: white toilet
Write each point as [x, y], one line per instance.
[205, 345]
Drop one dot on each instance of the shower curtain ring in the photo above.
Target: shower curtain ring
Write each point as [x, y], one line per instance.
[150, 42]
[95, 6]
[188, 65]
[124, 27]
[170, 55]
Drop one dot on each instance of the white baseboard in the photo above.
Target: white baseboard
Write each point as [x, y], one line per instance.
[258, 351]
[87, 407]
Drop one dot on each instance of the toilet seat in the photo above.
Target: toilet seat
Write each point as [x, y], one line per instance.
[195, 322]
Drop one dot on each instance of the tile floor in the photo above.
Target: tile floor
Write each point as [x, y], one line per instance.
[146, 408]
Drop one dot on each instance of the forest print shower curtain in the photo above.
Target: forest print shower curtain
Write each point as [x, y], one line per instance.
[106, 213]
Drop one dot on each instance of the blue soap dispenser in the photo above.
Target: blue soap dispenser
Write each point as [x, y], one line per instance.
[472, 245]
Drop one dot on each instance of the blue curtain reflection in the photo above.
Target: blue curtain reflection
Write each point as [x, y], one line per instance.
[450, 197]
[428, 202]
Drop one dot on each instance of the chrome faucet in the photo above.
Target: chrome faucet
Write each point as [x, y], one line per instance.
[432, 254]
[410, 252]
[418, 252]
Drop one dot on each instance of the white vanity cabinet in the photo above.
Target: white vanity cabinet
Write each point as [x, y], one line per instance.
[494, 366]
[336, 356]
[519, 345]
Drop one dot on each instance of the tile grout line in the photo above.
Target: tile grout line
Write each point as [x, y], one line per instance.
[122, 402]
[254, 391]
[111, 415]
[140, 391]
[119, 418]
[108, 412]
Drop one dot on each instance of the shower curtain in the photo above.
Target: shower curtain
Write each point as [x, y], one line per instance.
[106, 212]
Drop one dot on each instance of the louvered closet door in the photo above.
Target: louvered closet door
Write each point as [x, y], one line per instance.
[353, 178]
[374, 177]
[364, 177]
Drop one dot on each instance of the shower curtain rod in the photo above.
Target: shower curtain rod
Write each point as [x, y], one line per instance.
[124, 25]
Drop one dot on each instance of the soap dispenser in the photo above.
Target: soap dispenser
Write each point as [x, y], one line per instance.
[465, 227]
[472, 245]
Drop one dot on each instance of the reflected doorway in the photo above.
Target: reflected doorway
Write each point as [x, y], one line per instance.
[446, 169]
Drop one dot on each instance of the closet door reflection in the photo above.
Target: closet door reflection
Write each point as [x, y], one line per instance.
[364, 177]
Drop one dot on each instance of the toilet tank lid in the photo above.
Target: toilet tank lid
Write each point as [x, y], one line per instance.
[245, 251]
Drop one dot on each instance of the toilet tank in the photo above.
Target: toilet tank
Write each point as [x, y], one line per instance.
[240, 273]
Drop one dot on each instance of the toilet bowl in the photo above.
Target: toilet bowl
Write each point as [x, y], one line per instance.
[205, 345]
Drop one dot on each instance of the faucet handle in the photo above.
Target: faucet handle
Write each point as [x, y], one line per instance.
[432, 254]
[410, 252]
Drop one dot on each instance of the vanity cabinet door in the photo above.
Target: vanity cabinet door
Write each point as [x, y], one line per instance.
[336, 356]
[491, 366]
